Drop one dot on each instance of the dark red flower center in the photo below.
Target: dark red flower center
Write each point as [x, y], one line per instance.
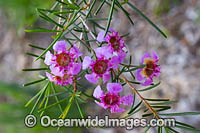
[100, 67]
[63, 59]
[58, 78]
[114, 43]
[149, 68]
[111, 99]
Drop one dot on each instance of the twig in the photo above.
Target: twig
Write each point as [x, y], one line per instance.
[141, 97]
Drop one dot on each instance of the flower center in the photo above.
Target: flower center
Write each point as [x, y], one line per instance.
[114, 43]
[57, 78]
[63, 59]
[149, 69]
[111, 99]
[100, 67]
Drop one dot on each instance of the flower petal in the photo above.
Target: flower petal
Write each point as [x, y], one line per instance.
[103, 52]
[147, 82]
[48, 58]
[75, 51]
[50, 77]
[56, 71]
[75, 69]
[116, 109]
[127, 100]
[114, 62]
[155, 55]
[86, 62]
[100, 37]
[92, 78]
[106, 77]
[114, 87]
[139, 75]
[146, 55]
[98, 92]
[60, 46]
[122, 56]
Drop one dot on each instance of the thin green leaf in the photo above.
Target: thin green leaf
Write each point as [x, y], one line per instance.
[63, 12]
[97, 19]
[46, 102]
[125, 12]
[134, 112]
[109, 17]
[189, 129]
[44, 16]
[57, 94]
[135, 107]
[147, 129]
[184, 124]
[34, 82]
[85, 35]
[149, 88]
[33, 98]
[147, 19]
[174, 131]
[34, 55]
[133, 69]
[68, 5]
[92, 6]
[79, 109]
[50, 46]
[168, 102]
[52, 105]
[64, 114]
[181, 114]
[37, 102]
[37, 47]
[156, 99]
[57, 100]
[81, 41]
[99, 8]
[35, 69]
[159, 129]
[41, 30]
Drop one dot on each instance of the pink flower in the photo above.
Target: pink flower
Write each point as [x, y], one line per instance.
[112, 99]
[63, 64]
[100, 68]
[152, 69]
[116, 45]
[62, 58]
[61, 78]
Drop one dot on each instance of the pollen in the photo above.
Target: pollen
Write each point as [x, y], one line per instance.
[100, 67]
[111, 99]
[63, 59]
[148, 70]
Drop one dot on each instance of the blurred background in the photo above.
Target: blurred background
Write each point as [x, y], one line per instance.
[179, 56]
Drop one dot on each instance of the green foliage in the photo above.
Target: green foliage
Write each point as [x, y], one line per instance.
[22, 13]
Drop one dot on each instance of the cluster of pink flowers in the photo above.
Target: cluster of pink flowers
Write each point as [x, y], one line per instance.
[64, 66]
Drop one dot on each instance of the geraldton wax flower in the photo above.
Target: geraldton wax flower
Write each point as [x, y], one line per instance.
[151, 69]
[63, 64]
[100, 68]
[112, 100]
[115, 44]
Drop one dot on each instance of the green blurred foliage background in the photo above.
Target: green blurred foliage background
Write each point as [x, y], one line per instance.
[22, 13]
